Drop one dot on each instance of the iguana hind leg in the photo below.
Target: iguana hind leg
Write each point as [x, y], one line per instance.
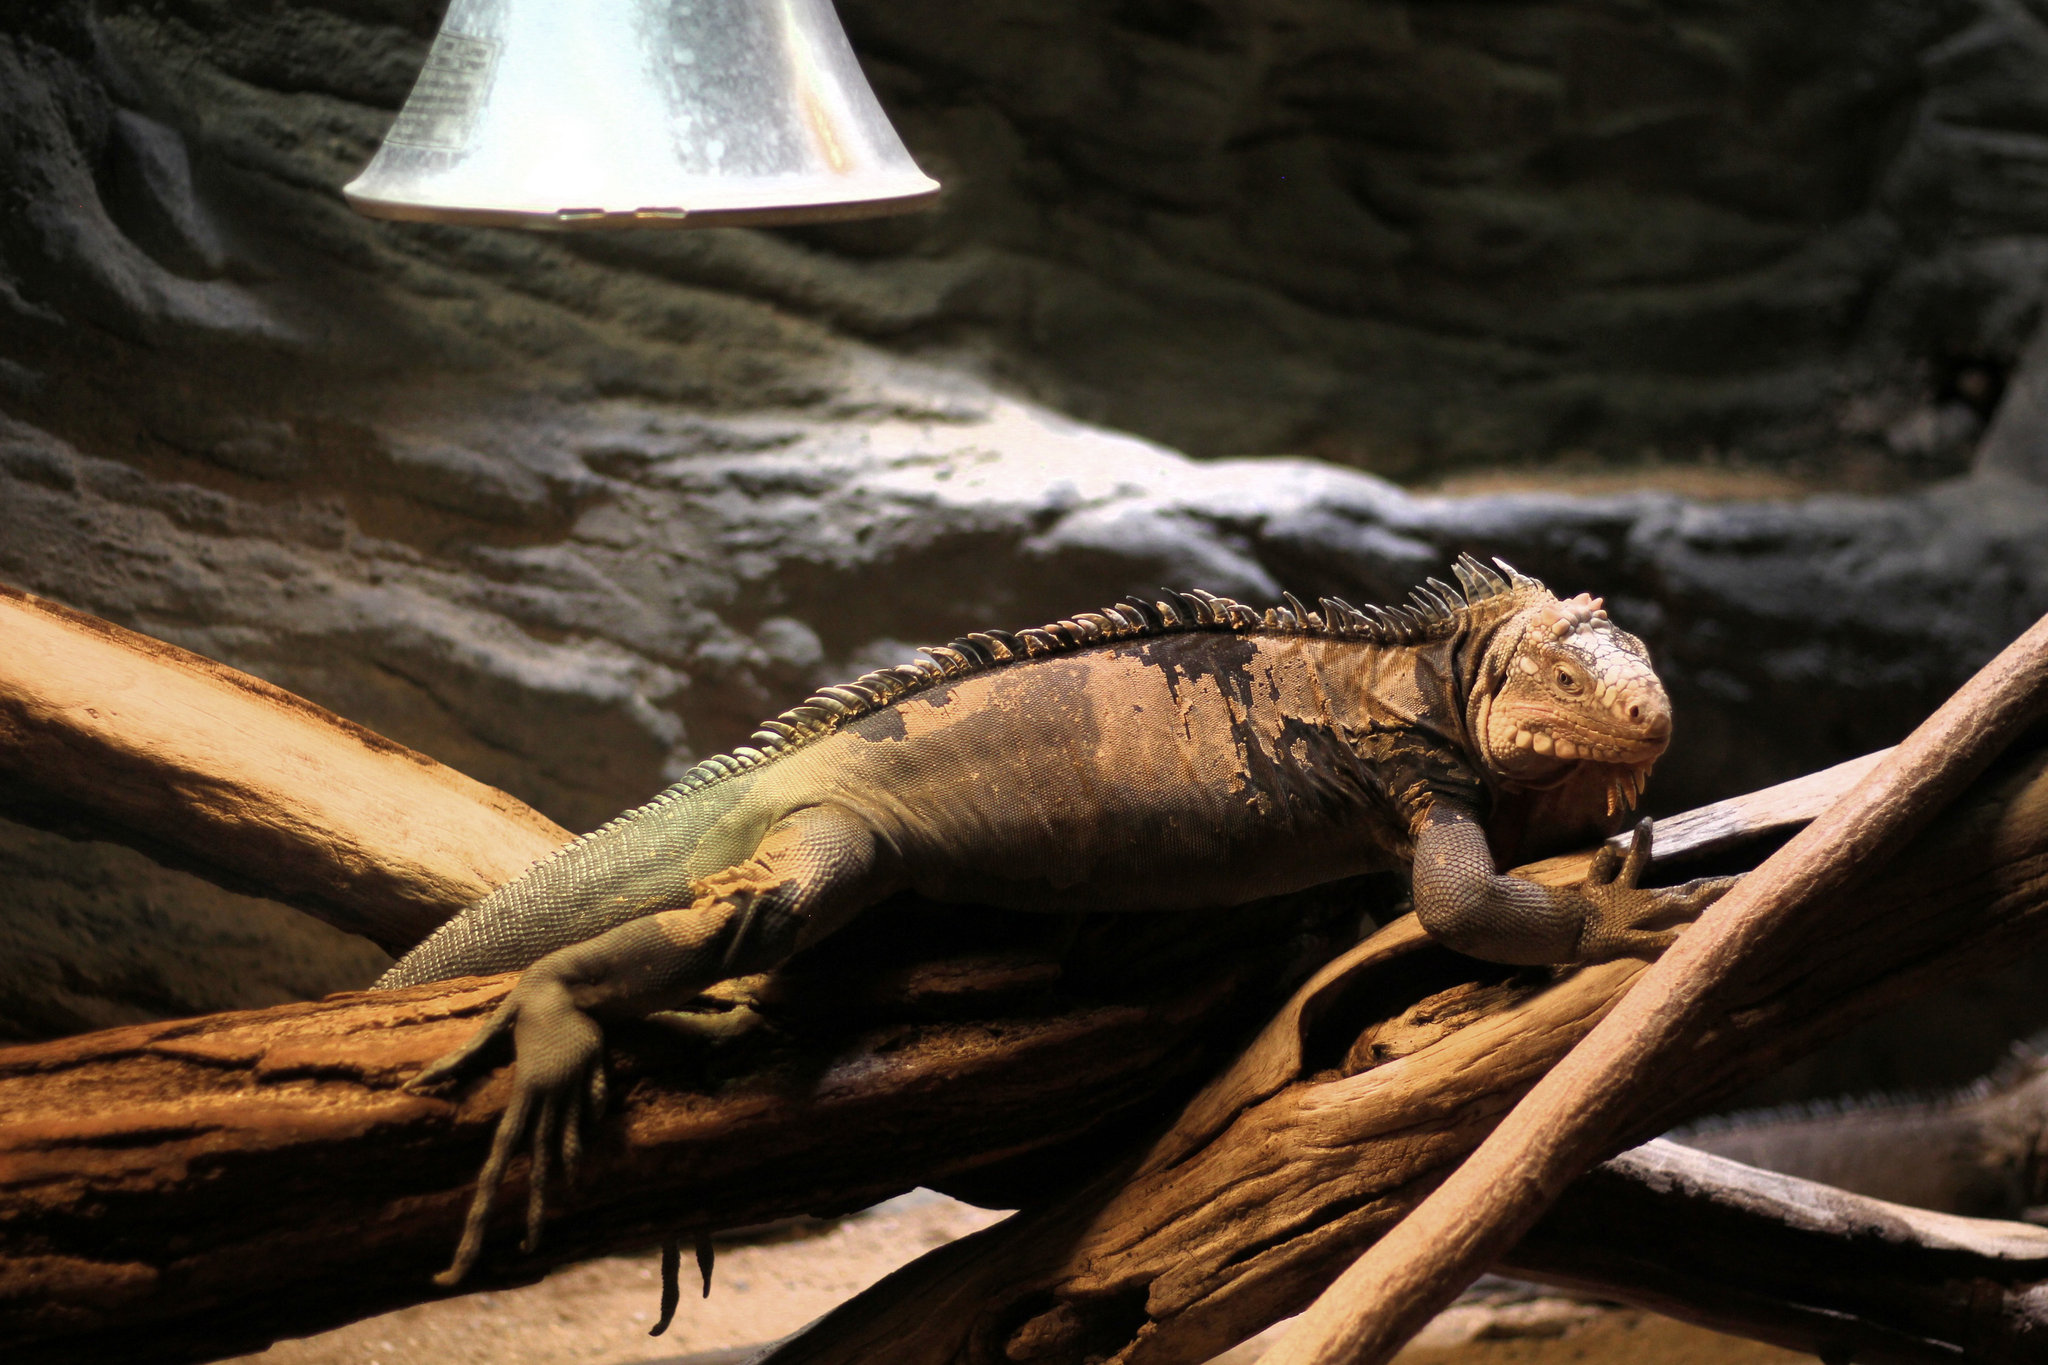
[812, 872]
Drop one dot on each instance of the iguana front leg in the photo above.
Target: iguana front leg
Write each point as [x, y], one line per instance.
[1468, 906]
[811, 873]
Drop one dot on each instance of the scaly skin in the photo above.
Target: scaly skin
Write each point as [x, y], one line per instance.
[1168, 756]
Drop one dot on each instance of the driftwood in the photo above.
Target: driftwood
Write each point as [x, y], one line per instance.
[1798, 1264]
[1381, 1076]
[184, 1190]
[223, 773]
[181, 1190]
[1569, 1118]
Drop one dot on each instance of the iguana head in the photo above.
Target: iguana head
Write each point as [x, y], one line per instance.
[1568, 688]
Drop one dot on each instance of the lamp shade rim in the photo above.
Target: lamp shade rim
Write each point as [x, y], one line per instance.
[767, 210]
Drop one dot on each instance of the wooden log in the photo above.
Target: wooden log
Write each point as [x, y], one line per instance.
[1559, 1130]
[1731, 824]
[1386, 1070]
[1798, 1264]
[245, 781]
[182, 1191]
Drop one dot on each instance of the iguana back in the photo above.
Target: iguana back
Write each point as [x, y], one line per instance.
[1154, 756]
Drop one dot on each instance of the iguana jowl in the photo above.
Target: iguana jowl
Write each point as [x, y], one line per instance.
[1154, 756]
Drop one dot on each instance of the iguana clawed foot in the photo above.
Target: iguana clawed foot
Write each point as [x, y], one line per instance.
[558, 1086]
[1621, 909]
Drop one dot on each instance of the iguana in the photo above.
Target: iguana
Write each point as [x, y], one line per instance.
[1157, 755]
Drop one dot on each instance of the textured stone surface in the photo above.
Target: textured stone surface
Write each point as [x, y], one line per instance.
[1404, 235]
[96, 936]
[568, 512]
[717, 567]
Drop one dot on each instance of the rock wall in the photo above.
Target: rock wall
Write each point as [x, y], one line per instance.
[571, 511]
[1405, 236]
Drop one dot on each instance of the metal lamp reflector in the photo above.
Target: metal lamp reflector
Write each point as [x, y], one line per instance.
[637, 113]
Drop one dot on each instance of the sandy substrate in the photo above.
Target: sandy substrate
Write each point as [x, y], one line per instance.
[598, 1313]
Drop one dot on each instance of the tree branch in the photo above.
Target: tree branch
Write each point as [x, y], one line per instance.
[181, 1191]
[1558, 1131]
[247, 782]
[1799, 1264]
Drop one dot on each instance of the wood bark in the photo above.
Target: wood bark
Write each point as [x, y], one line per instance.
[184, 1190]
[235, 778]
[1799, 1264]
[1386, 1070]
[1558, 1131]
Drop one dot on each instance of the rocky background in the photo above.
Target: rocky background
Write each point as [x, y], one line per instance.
[570, 511]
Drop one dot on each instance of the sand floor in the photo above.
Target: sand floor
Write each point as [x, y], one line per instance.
[598, 1313]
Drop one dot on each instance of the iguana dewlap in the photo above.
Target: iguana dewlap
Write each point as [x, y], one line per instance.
[1155, 756]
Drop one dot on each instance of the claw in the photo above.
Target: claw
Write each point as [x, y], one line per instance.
[1638, 854]
[671, 1277]
[671, 1288]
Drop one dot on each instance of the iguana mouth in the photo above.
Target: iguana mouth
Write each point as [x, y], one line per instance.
[1578, 742]
[1574, 743]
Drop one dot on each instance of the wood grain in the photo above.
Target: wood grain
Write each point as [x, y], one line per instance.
[172, 750]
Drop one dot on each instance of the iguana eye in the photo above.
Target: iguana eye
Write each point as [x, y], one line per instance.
[1566, 681]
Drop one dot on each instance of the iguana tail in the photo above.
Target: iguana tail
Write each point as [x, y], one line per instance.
[642, 862]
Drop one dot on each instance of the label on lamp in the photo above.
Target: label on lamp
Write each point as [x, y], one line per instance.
[441, 111]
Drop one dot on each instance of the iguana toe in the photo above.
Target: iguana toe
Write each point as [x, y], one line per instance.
[557, 1073]
[544, 1138]
[451, 1065]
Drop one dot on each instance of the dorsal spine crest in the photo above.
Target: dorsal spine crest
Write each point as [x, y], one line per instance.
[1434, 610]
